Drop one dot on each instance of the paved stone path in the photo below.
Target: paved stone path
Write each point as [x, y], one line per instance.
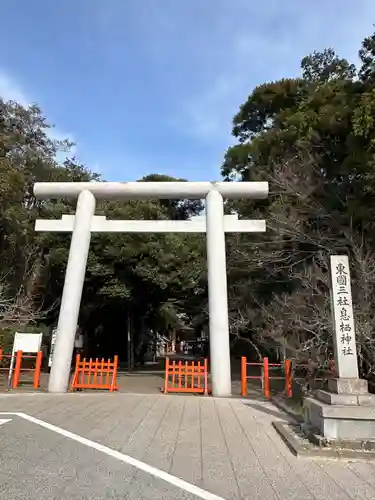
[225, 447]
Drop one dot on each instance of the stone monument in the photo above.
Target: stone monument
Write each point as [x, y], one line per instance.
[345, 413]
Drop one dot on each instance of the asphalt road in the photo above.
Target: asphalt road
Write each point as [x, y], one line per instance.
[129, 446]
[37, 463]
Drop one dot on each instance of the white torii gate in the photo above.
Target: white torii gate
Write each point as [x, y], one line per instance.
[214, 224]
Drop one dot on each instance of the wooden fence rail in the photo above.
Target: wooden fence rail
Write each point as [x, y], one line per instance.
[187, 377]
[15, 374]
[95, 374]
[286, 368]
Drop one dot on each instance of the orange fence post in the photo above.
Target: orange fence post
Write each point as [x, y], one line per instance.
[266, 378]
[17, 369]
[166, 375]
[76, 372]
[332, 367]
[243, 376]
[114, 375]
[89, 372]
[174, 373]
[1, 354]
[180, 374]
[205, 377]
[38, 366]
[288, 378]
[108, 373]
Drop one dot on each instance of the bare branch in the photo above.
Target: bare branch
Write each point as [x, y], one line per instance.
[303, 234]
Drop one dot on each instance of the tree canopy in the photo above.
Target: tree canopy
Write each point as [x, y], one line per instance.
[312, 138]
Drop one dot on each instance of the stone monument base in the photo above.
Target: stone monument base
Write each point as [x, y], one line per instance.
[304, 443]
[344, 413]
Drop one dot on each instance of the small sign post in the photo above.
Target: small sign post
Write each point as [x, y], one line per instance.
[52, 348]
[25, 342]
[342, 308]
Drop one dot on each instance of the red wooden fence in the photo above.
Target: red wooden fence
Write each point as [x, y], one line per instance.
[18, 367]
[265, 376]
[95, 374]
[186, 376]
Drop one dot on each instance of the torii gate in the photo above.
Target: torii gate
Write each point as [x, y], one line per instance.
[214, 224]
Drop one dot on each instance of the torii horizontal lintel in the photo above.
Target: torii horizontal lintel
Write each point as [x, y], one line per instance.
[196, 225]
[149, 190]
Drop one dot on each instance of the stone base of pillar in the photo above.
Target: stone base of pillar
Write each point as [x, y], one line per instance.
[348, 386]
[344, 413]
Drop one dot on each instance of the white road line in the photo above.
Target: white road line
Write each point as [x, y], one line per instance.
[4, 420]
[175, 481]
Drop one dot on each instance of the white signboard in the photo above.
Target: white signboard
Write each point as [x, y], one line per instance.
[78, 341]
[343, 320]
[53, 340]
[29, 343]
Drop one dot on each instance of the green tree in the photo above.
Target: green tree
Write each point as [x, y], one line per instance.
[312, 138]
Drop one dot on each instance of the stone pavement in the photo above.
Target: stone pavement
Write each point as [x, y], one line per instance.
[225, 447]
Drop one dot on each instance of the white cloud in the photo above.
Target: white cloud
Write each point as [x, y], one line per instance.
[11, 90]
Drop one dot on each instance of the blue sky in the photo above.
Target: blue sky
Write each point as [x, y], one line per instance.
[145, 86]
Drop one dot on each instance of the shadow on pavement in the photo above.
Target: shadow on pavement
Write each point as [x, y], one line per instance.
[269, 411]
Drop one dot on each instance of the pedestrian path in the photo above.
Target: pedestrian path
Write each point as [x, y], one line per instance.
[223, 447]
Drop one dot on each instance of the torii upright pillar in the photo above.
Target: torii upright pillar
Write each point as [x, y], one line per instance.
[72, 293]
[215, 224]
[217, 296]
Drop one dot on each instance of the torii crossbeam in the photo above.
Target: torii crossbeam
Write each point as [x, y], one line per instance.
[214, 223]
